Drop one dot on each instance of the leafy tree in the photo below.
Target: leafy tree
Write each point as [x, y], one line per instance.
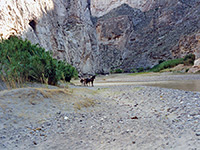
[19, 59]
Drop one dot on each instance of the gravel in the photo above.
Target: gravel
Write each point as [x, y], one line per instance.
[123, 117]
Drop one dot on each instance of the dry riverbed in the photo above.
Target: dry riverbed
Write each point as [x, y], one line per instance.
[112, 115]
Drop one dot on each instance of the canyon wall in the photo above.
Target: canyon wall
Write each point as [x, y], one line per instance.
[61, 26]
[133, 37]
[99, 35]
[102, 7]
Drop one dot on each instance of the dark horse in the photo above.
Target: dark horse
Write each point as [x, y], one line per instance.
[87, 81]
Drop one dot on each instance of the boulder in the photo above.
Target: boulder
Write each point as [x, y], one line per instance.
[196, 67]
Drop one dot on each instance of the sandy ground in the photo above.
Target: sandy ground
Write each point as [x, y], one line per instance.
[112, 115]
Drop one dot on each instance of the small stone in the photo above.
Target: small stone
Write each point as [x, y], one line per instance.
[59, 112]
[34, 143]
[42, 134]
[198, 134]
[133, 142]
[48, 124]
[134, 117]
[66, 118]
[2, 137]
[37, 129]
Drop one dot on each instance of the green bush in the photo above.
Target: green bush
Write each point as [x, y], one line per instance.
[167, 64]
[141, 69]
[160, 61]
[187, 60]
[133, 70]
[22, 60]
[116, 71]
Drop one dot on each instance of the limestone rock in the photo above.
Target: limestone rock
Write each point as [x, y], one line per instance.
[197, 62]
[166, 30]
[63, 27]
[181, 68]
[102, 7]
[196, 67]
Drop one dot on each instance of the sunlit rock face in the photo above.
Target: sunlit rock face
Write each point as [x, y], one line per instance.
[102, 7]
[61, 26]
[99, 35]
[16, 17]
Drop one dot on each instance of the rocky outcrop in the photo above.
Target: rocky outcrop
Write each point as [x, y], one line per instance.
[113, 30]
[188, 44]
[196, 67]
[98, 35]
[132, 38]
[61, 26]
[102, 7]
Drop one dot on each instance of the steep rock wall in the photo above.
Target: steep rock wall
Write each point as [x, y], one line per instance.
[123, 34]
[61, 26]
[102, 7]
[168, 29]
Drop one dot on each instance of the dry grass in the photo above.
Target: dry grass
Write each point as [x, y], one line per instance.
[49, 93]
[75, 99]
[38, 104]
[85, 103]
[13, 82]
[10, 84]
[38, 93]
[42, 93]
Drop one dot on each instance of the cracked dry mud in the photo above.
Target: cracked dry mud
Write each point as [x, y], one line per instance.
[102, 117]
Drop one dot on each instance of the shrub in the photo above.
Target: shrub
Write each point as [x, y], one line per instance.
[133, 70]
[160, 61]
[141, 69]
[116, 71]
[147, 68]
[22, 60]
[187, 60]
[167, 64]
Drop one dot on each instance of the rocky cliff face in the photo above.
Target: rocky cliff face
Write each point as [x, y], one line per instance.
[132, 38]
[99, 35]
[61, 26]
[102, 7]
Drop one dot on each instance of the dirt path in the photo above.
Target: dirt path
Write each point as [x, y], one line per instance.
[100, 117]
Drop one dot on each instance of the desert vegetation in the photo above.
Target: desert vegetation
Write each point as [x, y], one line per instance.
[187, 60]
[22, 61]
[118, 70]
